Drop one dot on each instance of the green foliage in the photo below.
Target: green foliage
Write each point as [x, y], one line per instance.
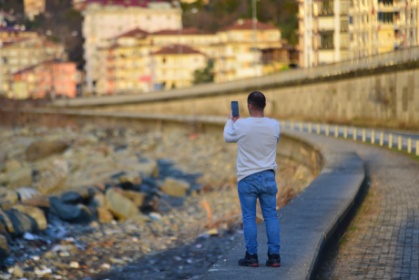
[205, 75]
[221, 13]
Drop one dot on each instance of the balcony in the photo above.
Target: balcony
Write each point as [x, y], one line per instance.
[326, 23]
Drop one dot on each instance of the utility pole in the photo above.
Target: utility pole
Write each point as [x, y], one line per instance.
[255, 21]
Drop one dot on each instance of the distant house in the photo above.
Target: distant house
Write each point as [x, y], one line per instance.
[239, 50]
[48, 79]
[174, 66]
[105, 19]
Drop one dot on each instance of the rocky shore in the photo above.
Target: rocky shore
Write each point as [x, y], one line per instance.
[94, 203]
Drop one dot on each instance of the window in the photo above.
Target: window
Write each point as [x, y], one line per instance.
[326, 40]
[326, 7]
[385, 17]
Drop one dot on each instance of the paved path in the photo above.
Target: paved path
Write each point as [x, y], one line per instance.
[307, 222]
[383, 240]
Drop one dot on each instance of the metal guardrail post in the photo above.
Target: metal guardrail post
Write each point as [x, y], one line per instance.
[409, 145]
[399, 143]
[390, 140]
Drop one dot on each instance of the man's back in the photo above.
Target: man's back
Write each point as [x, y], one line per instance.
[257, 140]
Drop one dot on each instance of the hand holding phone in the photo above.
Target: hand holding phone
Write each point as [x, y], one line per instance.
[235, 109]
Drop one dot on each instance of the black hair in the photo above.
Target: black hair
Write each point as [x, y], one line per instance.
[257, 99]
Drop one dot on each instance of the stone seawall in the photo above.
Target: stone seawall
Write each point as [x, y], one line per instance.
[383, 99]
[291, 146]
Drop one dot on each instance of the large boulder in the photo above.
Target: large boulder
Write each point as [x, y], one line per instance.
[121, 207]
[68, 212]
[175, 187]
[52, 176]
[78, 195]
[35, 213]
[136, 197]
[44, 148]
[21, 222]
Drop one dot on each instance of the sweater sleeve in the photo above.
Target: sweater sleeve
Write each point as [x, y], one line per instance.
[231, 133]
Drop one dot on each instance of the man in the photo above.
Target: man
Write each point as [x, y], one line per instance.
[257, 138]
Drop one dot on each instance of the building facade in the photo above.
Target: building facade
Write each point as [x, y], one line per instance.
[52, 79]
[336, 30]
[20, 50]
[174, 66]
[323, 31]
[239, 49]
[106, 19]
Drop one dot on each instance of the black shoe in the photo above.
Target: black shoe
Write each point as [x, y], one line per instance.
[274, 260]
[249, 260]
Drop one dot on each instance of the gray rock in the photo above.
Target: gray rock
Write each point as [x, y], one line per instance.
[21, 222]
[69, 213]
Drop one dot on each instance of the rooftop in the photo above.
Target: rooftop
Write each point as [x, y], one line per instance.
[127, 3]
[247, 24]
[176, 49]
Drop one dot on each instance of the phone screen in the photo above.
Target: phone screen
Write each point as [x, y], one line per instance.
[235, 108]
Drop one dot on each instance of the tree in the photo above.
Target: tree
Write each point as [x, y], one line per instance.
[204, 75]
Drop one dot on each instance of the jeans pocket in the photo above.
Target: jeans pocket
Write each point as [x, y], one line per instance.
[270, 186]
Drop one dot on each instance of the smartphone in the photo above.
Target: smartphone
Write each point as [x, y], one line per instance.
[235, 108]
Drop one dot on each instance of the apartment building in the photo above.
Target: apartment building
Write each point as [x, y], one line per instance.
[336, 30]
[109, 18]
[240, 47]
[51, 79]
[174, 66]
[126, 64]
[323, 31]
[33, 8]
[21, 50]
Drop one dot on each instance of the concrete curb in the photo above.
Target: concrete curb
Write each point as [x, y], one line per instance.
[308, 222]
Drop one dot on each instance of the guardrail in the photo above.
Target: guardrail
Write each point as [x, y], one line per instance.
[392, 140]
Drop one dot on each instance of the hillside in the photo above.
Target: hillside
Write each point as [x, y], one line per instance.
[63, 24]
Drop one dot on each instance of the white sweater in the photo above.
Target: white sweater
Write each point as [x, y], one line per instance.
[257, 140]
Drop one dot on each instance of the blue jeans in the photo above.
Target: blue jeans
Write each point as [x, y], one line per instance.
[261, 185]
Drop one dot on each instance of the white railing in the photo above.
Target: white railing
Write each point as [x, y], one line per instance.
[391, 140]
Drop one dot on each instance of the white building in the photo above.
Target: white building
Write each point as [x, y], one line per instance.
[323, 31]
[106, 19]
